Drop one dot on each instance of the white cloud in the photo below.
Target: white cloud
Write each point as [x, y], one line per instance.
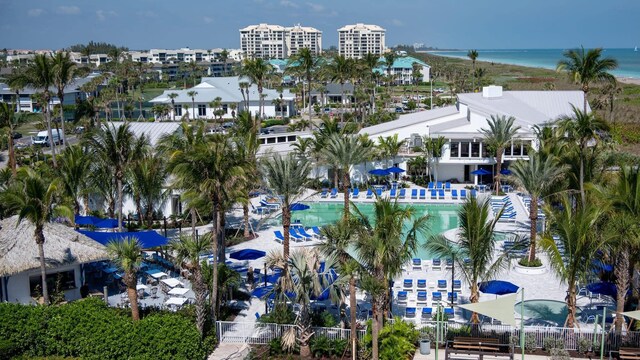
[103, 14]
[288, 3]
[397, 22]
[68, 10]
[208, 20]
[316, 7]
[35, 12]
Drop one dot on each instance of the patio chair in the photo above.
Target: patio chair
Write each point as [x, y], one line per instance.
[449, 311]
[356, 193]
[293, 234]
[302, 232]
[474, 193]
[434, 194]
[369, 194]
[454, 194]
[422, 297]
[447, 186]
[436, 264]
[423, 194]
[439, 185]
[452, 297]
[402, 297]
[410, 312]
[448, 264]
[393, 193]
[323, 194]
[278, 236]
[414, 194]
[402, 193]
[431, 186]
[334, 193]
[426, 313]
[457, 285]
[379, 192]
[421, 283]
[407, 285]
[257, 315]
[442, 284]
[441, 194]
[463, 193]
[416, 264]
[316, 232]
[436, 296]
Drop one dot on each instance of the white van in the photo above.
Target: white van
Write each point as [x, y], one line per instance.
[42, 138]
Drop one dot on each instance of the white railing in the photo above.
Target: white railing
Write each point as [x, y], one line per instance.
[259, 333]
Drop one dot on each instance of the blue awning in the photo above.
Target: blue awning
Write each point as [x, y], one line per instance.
[147, 239]
[107, 224]
[395, 170]
[603, 288]
[86, 220]
[379, 172]
[247, 254]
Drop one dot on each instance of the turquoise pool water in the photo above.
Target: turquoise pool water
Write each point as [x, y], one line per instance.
[443, 218]
[545, 312]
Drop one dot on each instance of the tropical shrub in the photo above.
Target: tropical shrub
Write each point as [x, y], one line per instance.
[552, 343]
[323, 319]
[530, 342]
[398, 340]
[559, 354]
[282, 314]
[322, 346]
[525, 262]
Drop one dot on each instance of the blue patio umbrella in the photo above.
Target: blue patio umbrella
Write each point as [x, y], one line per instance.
[299, 207]
[603, 288]
[86, 220]
[505, 172]
[395, 170]
[498, 287]
[107, 223]
[379, 172]
[247, 254]
[481, 172]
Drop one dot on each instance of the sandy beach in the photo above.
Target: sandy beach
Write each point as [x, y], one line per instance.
[628, 80]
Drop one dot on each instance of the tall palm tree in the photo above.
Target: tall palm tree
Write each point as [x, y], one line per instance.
[245, 135]
[40, 75]
[192, 94]
[305, 64]
[64, 70]
[287, 177]
[389, 147]
[36, 199]
[146, 178]
[370, 62]
[187, 251]
[390, 58]
[127, 256]
[383, 246]
[433, 149]
[343, 152]
[476, 241]
[586, 67]
[473, 55]
[257, 71]
[74, 170]
[576, 228]
[498, 136]
[339, 70]
[581, 129]
[537, 176]
[115, 149]
[173, 97]
[10, 120]
[301, 275]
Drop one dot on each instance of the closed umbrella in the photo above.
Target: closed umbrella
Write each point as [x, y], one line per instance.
[247, 254]
[299, 207]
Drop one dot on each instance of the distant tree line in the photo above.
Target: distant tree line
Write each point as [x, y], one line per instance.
[96, 48]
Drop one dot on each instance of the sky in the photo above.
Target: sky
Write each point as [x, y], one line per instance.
[459, 24]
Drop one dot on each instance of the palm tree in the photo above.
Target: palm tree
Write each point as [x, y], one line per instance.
[127, 256]
[390, 146]
[192, 94]
[287, 177]
[340, 69]
[537, 176]
[384, 245]
[305, 64]
[64, 70]
[498, 136]
[343, 152]
[173, 97]
[576, 228]
[11, 120]
[581, 129]
[115, 149]
[245, 136]
[389, 59]
[257, 71]
[370, 62]
[187, 250]
[302, 276]
[36, 199]
[74, 170]
[476, 241]
[147, 176]
[473, 55]
[433, 149]
[586, 67]
[40, 75]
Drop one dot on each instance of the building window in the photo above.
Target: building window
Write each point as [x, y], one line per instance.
[485, 152]
[271, 140]
[225, 108]
[464, 149]
[517, 149]
[202, 110]
[455, 149]
[64, 280]
[475, 150]
[178, 110]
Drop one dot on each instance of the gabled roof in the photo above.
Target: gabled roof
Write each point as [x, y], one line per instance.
[153, 130]
[403, 62]
[528, 107]
[409, 120]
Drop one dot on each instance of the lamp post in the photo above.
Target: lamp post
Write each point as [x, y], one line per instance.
[431, 91]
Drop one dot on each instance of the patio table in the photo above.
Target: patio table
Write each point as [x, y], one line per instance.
[157, 274]
[171, 282]
[178, 291]
[176, 301]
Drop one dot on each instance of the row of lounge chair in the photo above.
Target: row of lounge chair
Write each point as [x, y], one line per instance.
[416, 194]
[426, 313]
[439, 186]
[503, 203]
[407, 285]
[436, 264]
[298, 234]
[422, 297]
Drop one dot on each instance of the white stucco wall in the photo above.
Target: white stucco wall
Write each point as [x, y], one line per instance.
[18, 285]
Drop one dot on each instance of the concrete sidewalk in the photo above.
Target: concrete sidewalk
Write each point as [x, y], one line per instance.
[441, 355]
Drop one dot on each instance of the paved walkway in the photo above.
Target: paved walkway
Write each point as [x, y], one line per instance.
[227, 351]
[432, 356]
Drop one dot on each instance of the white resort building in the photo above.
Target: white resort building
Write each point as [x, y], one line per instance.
[355, 41]
[278, 42]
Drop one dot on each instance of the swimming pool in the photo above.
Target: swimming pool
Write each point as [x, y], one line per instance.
[545, 312]
[443, 217]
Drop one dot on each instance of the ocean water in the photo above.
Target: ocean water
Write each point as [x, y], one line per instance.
[628, 59]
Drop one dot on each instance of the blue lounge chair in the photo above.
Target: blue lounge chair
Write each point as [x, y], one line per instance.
[447, 186]
[452, 297]
[393, 193]
[402, 296]
[257, 315]
[436, 264]
[454, 194]
[449, 264]
[436, 296]
[407, 284]
[302, 232]
[508, 217]
[430, 186]
[316, 231]
[441, 194]
[474, 193]
[402, 194]
[394, 184]
[426, 312]
[416, 264]
[379, 192]
[279, 236]
[293, 234]
[434, 194]
[449, 311]
[457, 285]
[423, 194]
[334, 193]
[439, 185]
[422, 283]
[356, 193]
[442, 284]
[463, 194]
[422, 297]
[323, 194]
[410, 312]
[414, 193]
[369, 194]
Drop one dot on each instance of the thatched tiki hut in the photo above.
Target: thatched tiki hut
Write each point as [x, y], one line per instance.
[64, 248]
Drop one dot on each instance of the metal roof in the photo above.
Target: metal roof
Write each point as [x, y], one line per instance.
[410, 119]
[153, 130]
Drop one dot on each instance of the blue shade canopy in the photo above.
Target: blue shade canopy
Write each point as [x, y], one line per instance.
[498, 287]
[599, 265]
[481, 172]
[261, 291]
[107, 224]
[603, 288]
[147, 239]
[395, 170]
[86, 220]
[505, 172]
[247, 254]
[299, 207]
[379, 172]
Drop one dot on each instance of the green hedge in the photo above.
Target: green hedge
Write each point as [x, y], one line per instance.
[88, 329]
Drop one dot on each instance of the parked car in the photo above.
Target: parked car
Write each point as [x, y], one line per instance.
[42, 138]
[16, 135]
